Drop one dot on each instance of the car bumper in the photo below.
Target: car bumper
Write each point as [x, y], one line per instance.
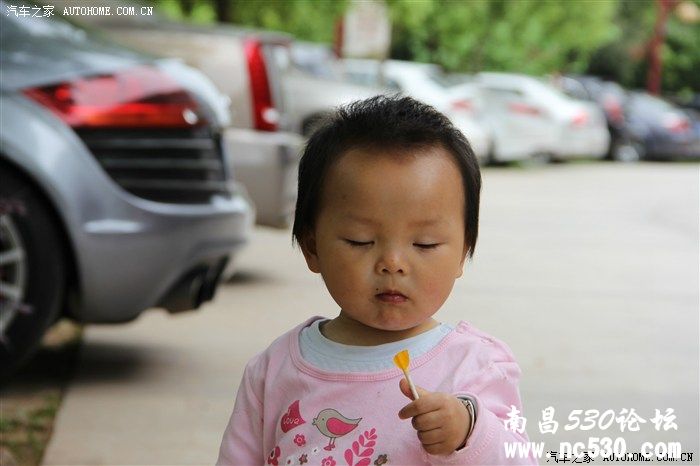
[163, 256]
[514, 155]
[584, 143]
[508, 147]
[689, 149]
[127, 253]
[266, 164]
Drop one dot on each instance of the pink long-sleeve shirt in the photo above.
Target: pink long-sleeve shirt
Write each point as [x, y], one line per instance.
[290, 412]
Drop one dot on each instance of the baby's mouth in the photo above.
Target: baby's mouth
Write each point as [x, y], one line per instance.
[391, 296]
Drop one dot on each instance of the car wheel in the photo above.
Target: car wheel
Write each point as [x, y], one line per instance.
[491, 157]
[544, 158]
[630, 152]
[32, 270]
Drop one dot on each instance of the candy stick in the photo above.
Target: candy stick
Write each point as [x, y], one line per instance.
[402, 361]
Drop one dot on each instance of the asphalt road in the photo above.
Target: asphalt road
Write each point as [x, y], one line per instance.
[588, 271]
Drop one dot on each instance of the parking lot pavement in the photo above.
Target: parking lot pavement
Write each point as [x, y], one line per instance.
[588, 271]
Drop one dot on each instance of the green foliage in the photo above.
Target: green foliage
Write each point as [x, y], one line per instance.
[530, 36]
[681, 56]
[623, 60]
[202, 11]
[306, 19]
[627, 60]
[312, 20]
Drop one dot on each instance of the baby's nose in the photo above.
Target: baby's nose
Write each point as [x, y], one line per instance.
[390, 263]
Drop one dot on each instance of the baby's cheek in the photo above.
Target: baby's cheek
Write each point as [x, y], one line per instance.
[345, 277]
[437, 289]
[345, 287]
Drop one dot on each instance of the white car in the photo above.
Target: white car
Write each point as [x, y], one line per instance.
[529, 118]
[423, 82]
[313, 88]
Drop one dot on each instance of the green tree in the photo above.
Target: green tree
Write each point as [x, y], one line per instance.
[530, 36]
[627, 60]
[621, 59]
[681, 56]
[310, 20]
[305, 19]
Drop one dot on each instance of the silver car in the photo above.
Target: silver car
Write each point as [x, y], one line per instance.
[115, 194]
[245, 66]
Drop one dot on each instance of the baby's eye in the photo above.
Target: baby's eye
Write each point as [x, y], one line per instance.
[358, 243]
[426, 245]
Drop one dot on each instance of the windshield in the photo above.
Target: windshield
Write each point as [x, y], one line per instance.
[439, 77]
[651, 104]
[547, 92]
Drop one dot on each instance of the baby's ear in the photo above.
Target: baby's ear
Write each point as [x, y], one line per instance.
[308, 248]
[464, 259]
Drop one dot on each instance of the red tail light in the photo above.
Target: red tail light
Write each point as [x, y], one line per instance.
[462, 105]
[614, 110]
[580, 118]
[524, 109]
[265, 114]
[134, 98]
[676, 124]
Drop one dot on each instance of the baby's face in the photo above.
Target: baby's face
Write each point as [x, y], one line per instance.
[389, 236]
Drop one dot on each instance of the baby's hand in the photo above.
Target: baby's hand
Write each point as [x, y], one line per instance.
[440, 419]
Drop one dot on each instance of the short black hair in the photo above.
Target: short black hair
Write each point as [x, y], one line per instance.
[383, 122]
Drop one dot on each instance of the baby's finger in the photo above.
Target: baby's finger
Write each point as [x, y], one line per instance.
[431, 437]
[422, 405]
[437, 449]
[428, 421]
[406, 389]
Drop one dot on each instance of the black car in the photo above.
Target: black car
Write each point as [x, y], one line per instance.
[611, 98]
[660, 129]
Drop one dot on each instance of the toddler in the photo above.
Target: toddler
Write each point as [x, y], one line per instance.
[387, 213]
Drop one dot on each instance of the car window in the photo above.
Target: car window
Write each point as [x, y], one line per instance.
[650, 104]
[280, 55]
[361, 78]
[440, 78]
[574, 88]
[502, 92]
[371, 79]
[391, 84]
[593, 86]
[546, 94]
[317, 60]
[615, 89]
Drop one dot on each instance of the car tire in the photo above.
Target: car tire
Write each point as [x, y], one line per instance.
[491, 157]
[630, 152]
[544, 158]
[32, 270]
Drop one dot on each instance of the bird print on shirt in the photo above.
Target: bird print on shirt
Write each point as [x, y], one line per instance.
[332, 424]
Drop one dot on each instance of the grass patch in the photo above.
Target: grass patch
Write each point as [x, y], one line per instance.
[31, 399]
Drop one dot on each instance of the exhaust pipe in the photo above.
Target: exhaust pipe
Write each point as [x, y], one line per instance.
[194, 288]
